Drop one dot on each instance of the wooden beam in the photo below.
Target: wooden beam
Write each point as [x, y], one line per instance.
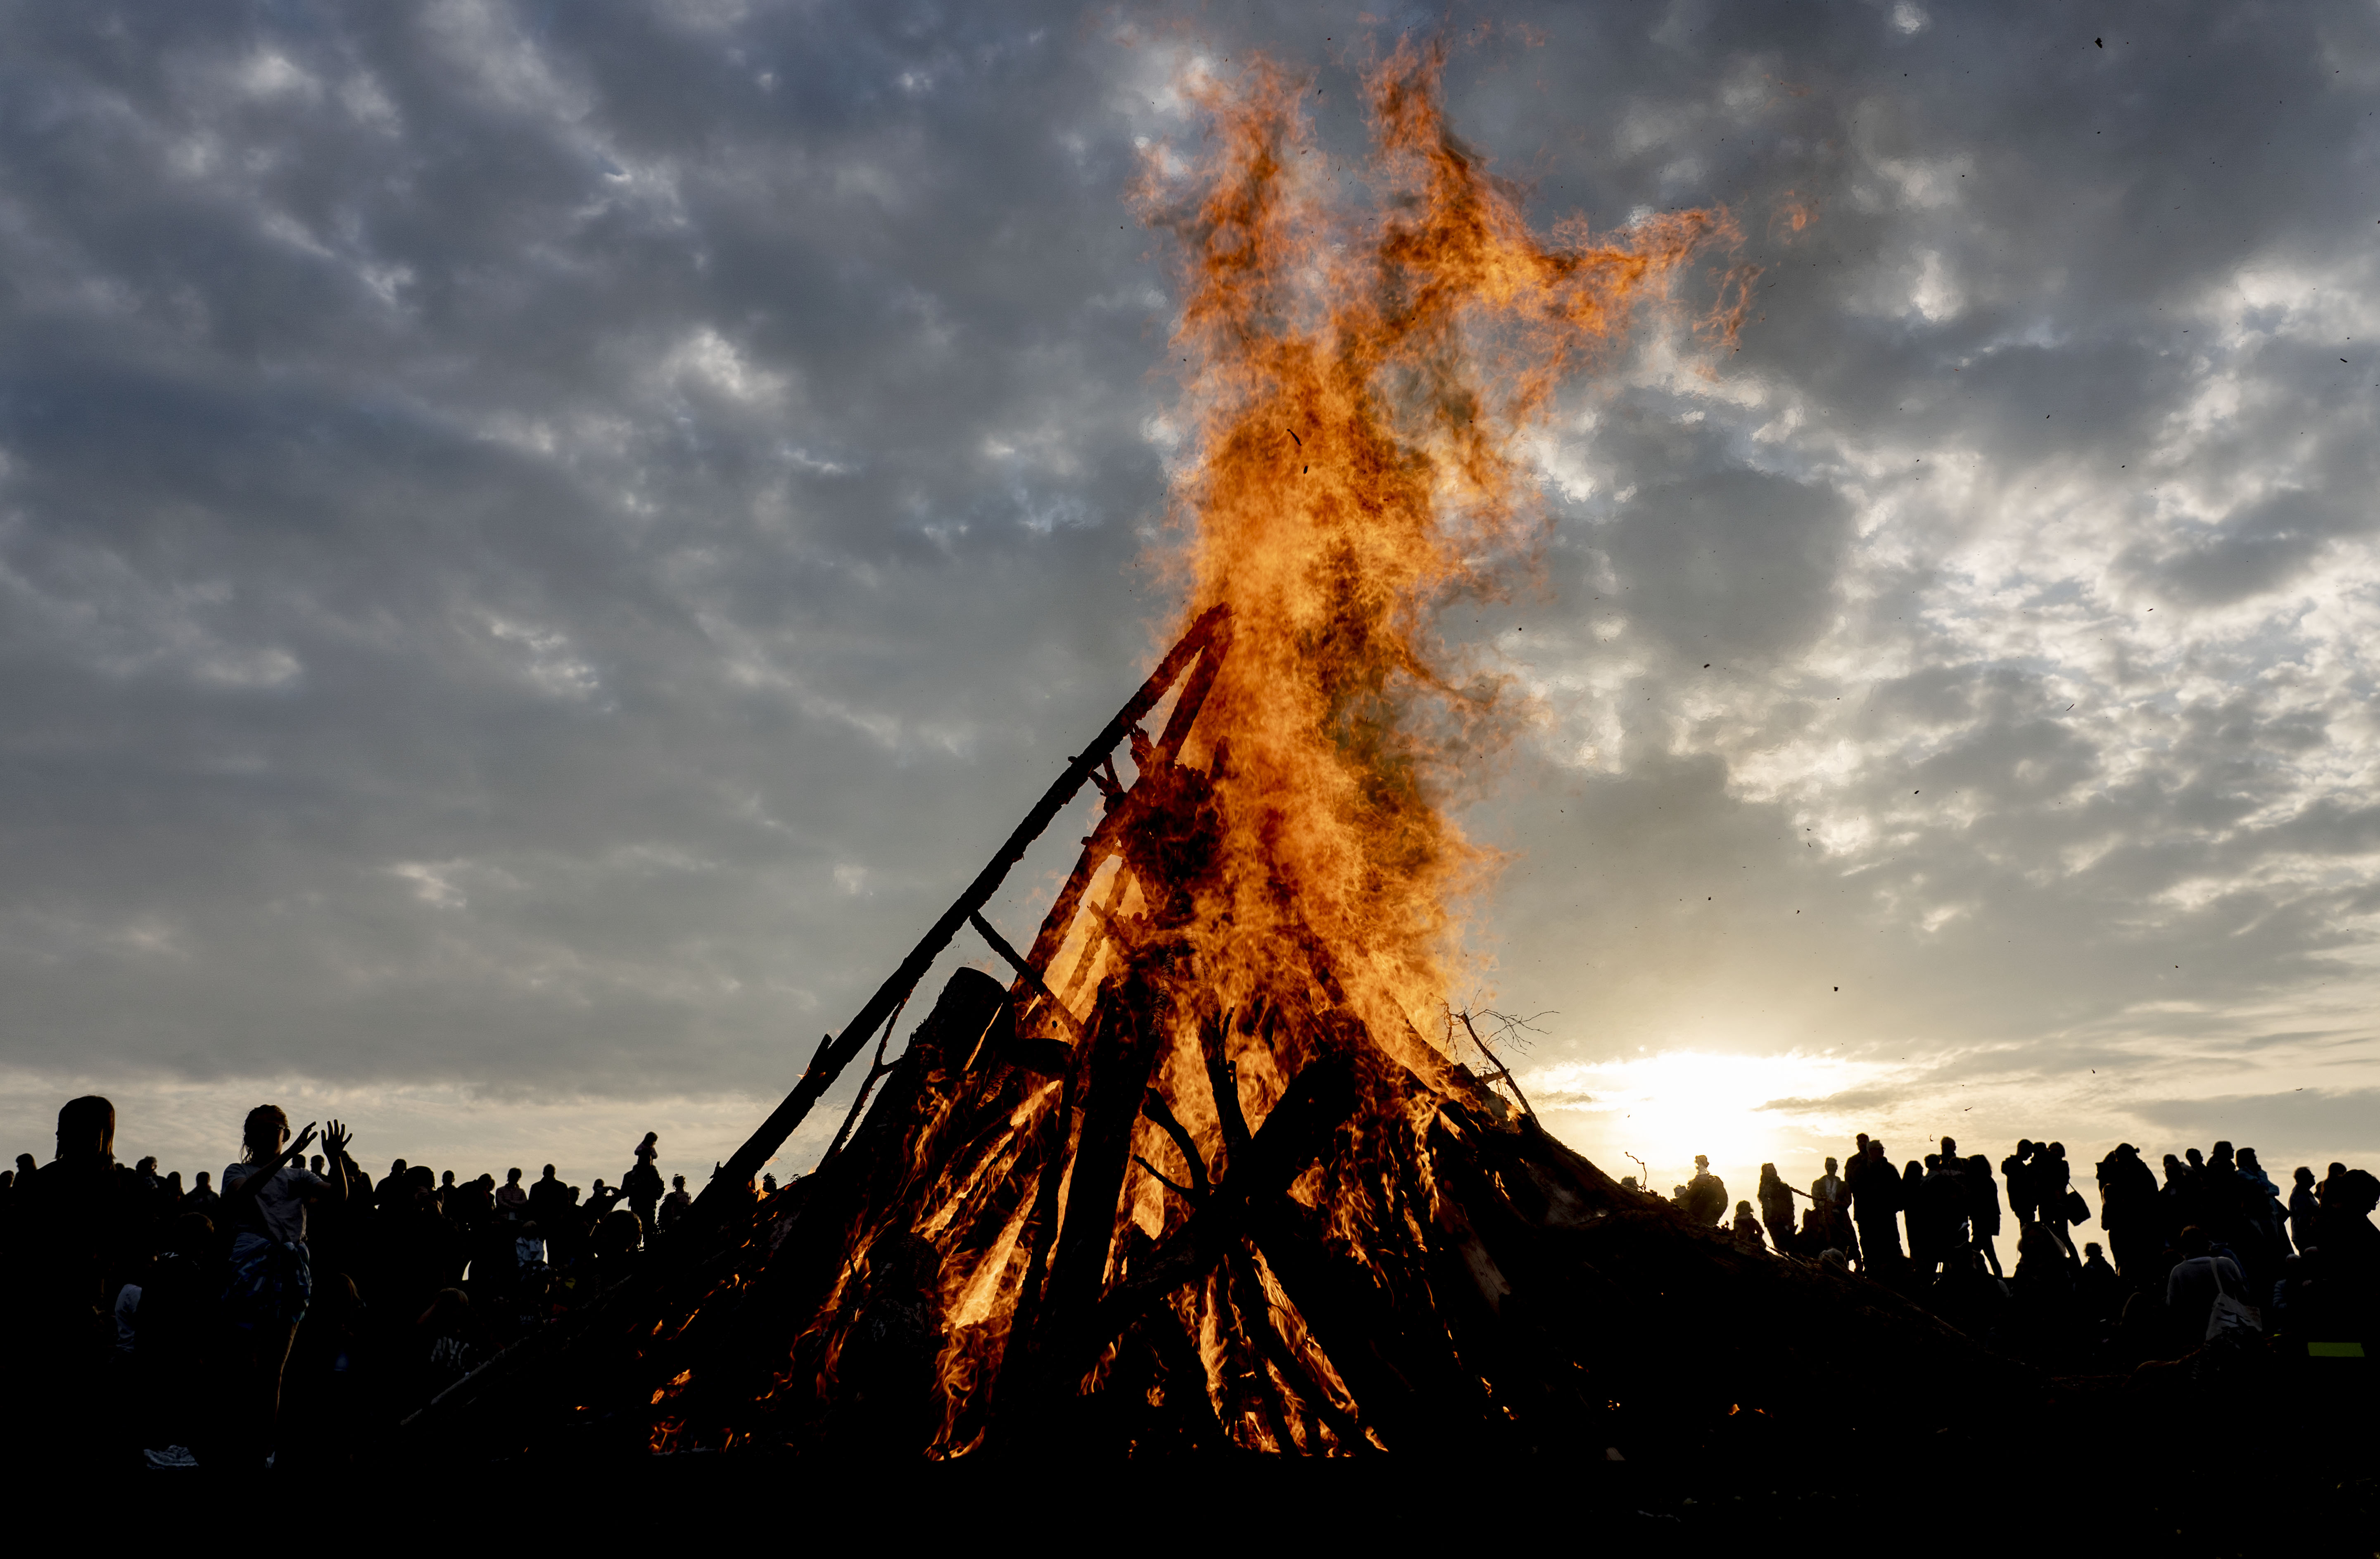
[1027, 973]
[746, 1163]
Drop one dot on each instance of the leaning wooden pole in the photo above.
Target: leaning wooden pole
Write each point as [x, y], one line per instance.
[839, 1052]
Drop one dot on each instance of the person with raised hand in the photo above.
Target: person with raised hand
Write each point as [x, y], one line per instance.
[265, 1194]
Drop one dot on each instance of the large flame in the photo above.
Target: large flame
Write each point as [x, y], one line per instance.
[1278, 891]
[1361, 381]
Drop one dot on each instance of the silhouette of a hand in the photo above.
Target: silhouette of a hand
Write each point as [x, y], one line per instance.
[335, 1138]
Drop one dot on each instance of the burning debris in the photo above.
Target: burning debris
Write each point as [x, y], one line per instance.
[1197, 1177]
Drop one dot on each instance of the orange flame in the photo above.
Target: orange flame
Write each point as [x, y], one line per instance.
[1362, 382]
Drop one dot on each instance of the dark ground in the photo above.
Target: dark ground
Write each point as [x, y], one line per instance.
[2262, 1456]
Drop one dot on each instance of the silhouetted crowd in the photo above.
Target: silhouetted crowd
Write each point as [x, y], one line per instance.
[296, 1310]
[2212, 1255]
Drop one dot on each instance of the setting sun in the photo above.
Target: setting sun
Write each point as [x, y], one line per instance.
[1661, 1109]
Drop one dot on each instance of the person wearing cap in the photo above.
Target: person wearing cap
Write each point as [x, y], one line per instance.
[643, 1183]
[1705, 1194]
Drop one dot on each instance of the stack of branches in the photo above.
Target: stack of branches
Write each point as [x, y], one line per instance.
[1183, 1222]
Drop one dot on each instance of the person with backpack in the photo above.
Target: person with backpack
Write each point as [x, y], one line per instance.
[1705, 1194]
[2195, 1286]
[2051, 1183]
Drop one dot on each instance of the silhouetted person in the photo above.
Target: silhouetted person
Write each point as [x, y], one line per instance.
[202, 1199]
[674, 1205]
[177, 1334]
[549, 1201]
[1876, 1207]
[393, 1184]
[2099, 1290]
[2225, 1212]
[420, 1252]
[512, 1197]
[2335, 1172]
[617, 1240]
[2129, 1210]
[1950, 1203]
[2344, 1230]
[2051, 1182]
[1776, 1208]
[2305, 1210]
[441, 1346]
[2337, 1296]
[1975, 1301]
[2016, 1174]
[264, 1200]
[79, 1222]
[2262, 1216]
[2043, 1289]
[642, 1184]
[562, 1221]
[1831, 1201]
[1983, 1210]
[2191, 1287]
[1922, 1253]
[1705, 1194]
[2173, 1200]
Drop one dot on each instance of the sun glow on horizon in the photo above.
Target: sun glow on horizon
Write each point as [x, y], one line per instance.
[1665, 1107]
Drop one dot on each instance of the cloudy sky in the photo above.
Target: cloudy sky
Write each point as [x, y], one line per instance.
[540, 544]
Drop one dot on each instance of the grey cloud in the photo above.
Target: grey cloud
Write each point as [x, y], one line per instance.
[2340, 1120]
[1736, 564]
[540, 546]
[1850, 1099]
[2261, 548]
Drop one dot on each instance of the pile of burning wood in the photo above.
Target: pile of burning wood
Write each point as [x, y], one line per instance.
[1185, 1220]
[1194, 1179]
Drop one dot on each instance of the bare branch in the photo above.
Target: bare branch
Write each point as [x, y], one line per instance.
[1169, 1182]
[1494, 1061]
[1157, 1109]
[876, 1069]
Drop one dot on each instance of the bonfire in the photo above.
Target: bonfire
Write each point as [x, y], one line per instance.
[1217, 1167]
